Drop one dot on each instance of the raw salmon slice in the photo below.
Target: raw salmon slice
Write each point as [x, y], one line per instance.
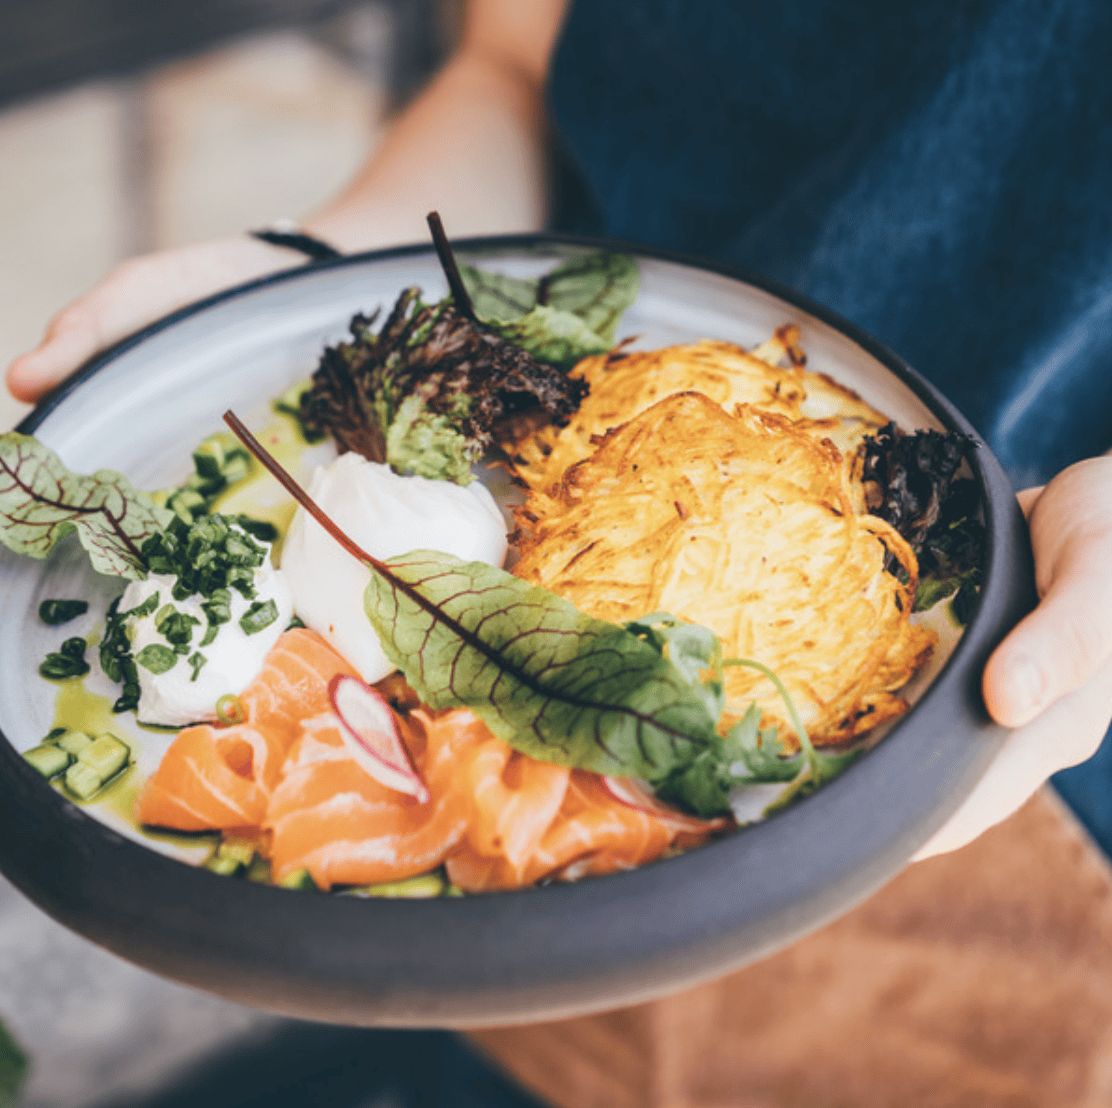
[328, 815]
[204, 782]
[592, 832]
[221, 777]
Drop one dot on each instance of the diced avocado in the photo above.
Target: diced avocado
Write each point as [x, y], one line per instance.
[48, 759]
[73, 742]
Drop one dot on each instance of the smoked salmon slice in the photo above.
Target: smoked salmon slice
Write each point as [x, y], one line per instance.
[495, 818]
[218, 778]
[592, 833]
[331, 817]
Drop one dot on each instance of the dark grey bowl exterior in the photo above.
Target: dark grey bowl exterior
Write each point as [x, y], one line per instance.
[547, 952]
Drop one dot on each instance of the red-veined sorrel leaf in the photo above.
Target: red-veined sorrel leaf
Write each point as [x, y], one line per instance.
[552, 682]
[41, 502]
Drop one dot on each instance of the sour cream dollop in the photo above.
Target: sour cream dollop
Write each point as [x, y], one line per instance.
[232, 659]
[386, 515]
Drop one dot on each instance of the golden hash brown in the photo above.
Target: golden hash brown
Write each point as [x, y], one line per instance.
[623, 384]
[745, 523]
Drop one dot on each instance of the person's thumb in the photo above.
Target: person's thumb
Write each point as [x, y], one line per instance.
[1060, 645]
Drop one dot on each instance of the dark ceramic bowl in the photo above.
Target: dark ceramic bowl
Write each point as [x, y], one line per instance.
[509, 957]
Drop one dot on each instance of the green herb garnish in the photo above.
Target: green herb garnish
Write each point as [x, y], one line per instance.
[115, 655]
[69, 661]
[258, 616]
[55, 612]
[156, 658]
[146, 608]
[206, 556]
[176, 627]
[196, 661]
[230, 710]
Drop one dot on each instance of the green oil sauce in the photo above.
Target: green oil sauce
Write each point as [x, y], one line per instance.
[77, 709]
[258, 495]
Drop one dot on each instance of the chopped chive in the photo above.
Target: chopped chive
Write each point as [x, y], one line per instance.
[68, 661]
[145, 609]
[156, 658]
[230, 710]
[260, 615]
[55, 612]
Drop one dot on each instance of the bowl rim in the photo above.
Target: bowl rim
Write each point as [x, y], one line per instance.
[520, 956]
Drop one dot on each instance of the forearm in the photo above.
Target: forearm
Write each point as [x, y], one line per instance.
[473, 147]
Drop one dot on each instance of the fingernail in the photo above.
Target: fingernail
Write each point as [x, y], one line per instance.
[1027, 686]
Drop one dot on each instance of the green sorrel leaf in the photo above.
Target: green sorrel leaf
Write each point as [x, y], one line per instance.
[547, 679]
[41, 502]
[596, 289]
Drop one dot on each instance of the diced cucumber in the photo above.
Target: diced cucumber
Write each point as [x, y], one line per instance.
[425, 886]
[82, 780]
[236, 467]
[48, 759]
[106, 756]
[187, 503]
[299, 879]
[209, 458]
[223, 865]
[73, 742]
[259, 870]
[231, 856]
[98, 761]
[238, 849]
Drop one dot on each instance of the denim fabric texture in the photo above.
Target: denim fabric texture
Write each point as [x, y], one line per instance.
[939, 173]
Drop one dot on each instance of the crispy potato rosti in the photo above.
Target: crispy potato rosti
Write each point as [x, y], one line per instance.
[746, 522]
[624, 383]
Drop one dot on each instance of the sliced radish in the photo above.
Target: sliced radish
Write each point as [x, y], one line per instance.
[371, 735]
[636, 794]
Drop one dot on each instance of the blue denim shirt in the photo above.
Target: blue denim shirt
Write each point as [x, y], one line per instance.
[939, 172]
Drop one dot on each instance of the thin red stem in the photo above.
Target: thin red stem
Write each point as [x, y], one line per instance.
[296, 491]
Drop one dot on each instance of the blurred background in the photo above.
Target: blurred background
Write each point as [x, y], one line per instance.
[125, 126]
[130, 125]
